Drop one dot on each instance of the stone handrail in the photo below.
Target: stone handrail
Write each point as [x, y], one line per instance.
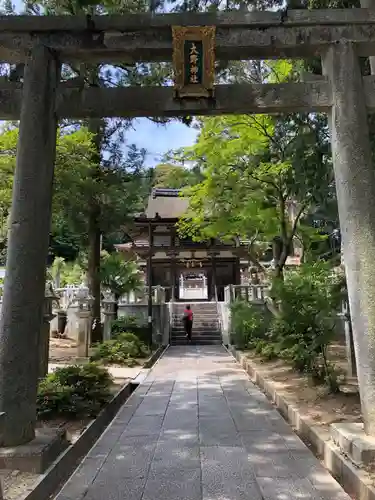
[249, 293]
[141, 296]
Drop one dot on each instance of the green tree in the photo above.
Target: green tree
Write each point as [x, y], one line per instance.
[116, 191]
[256, 169]
[171, 176]
[120, 276]
[67, 273]
[72, 168]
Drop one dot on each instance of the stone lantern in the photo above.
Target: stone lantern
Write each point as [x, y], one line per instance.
[84, 316]
[109, 311]
[43, 345]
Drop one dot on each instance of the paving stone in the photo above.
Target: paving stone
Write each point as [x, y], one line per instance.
[227, 474]
[183, 405]
[245, 423]
[219, 431]
[181, 421]
[84, 476]
[119, 488]
[157, 398]
[171, 454]
[180, 437]
[249, 406]
[264, 442]
[105, 444]
[200, 430]
[184, 388]
[153, 406]
[129, 459]
[173, 484]
[210, 437]
[288, 489]
[278, 465]
[190, 394]
[212, 408]
[293, 442]
[144, 425]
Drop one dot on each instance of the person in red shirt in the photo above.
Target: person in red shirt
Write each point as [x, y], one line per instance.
[188, 322]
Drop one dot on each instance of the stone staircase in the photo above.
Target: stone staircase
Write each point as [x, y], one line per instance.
[206, 326]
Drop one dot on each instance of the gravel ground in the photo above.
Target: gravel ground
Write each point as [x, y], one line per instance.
[16, 483]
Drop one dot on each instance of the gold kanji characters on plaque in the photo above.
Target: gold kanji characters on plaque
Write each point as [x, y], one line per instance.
[194, 61]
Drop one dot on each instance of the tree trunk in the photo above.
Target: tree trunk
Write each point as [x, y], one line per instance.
[94, 236]
[278, 252]
[93, 269]
[117, 298]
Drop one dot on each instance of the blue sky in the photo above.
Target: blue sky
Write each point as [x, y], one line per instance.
[159, 139]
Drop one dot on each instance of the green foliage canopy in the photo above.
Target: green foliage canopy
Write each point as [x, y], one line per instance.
[120, 276]
[262, 174]
[171, 176]
[117, 190]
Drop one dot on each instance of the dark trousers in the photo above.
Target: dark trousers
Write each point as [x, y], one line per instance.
[188, 327]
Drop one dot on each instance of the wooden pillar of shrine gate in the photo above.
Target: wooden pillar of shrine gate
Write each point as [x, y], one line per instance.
[28, 241]
[174, 284]
[149, 282]
[355, 185]
[213, 290]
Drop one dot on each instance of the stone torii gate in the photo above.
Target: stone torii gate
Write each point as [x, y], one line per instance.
[340, 37]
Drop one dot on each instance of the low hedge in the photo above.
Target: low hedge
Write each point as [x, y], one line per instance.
[124, 349]
[74, 391]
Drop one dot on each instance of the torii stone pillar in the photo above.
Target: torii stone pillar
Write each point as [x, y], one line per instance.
[355, 185]
[28, 240]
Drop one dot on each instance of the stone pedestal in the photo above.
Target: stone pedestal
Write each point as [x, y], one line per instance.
[355, 186]
[109, 306]
[37, 455]
[29, 228]
[354, 442]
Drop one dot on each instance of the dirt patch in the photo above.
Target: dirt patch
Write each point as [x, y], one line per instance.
[64, 351]
[16, 484]
[313, 401]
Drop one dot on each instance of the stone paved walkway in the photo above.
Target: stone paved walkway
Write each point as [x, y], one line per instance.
[198, 429]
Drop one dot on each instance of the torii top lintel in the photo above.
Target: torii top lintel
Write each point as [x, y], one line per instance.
[144, 37]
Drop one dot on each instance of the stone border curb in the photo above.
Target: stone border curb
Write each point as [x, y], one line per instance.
[155, 356]
[59, 472]
[356, 482]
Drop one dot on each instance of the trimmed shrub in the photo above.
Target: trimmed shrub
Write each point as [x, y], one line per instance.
[130, 324]
[122, 350]
[248, 323]
[123, 324]
[74, 391]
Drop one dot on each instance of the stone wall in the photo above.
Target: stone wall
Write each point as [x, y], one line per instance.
[161, 314]
[161, 317]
